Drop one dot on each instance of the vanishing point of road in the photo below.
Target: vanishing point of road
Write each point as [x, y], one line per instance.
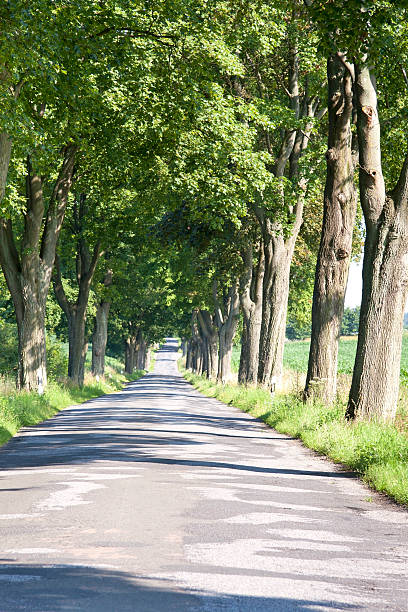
[157, 499]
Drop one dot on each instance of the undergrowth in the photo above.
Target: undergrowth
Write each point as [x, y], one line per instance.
[378, 452]
[20, 408]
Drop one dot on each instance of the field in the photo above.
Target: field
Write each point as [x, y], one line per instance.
[297, 353]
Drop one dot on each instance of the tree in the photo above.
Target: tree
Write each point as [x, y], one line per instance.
[75, 310]
[100, 331]
[340, 202]
[375, 384]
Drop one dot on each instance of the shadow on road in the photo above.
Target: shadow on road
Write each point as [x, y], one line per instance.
[117, 427]
[42, 588]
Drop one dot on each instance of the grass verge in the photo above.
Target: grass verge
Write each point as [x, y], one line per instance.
[19, 409]
[377, 452]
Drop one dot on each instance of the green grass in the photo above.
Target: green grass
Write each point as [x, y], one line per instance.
[379, 453]
[296, 355]
[20, 409]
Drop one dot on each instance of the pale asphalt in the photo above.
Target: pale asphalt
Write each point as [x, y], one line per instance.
[156, 499]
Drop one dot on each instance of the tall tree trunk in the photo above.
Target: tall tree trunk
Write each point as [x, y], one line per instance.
[100, 333]
[76, 312]
[375, 384]
[278, 258]
[28, 272]
[32, 363]
[251, 304]
[278, 248]
[141, 351]
[340, 202]
[226, 317]
[198, 350]
[189, 354]
[210, 342]
[130, 354]
[100, 338]
[5, 154]
[78, 345]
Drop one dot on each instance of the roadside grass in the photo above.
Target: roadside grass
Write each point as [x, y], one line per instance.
[377, 452]
[296, 355]
[21, 409]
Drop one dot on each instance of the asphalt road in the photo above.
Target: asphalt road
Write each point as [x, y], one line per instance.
[157, 499]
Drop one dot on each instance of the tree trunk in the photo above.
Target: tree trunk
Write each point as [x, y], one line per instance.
[278, 248]
[32, 364]
[5, 154]
[100, 338]
[226, 317]
[148, 358]
[78, 345]
[141, 351]
[210, 342]
[197, 348]
[130, 354]
[100, 333]
[340, 201]
[28, 273]
[278, 258]
[189, 354]
[375, 384]
[76, 312]
[251, 304]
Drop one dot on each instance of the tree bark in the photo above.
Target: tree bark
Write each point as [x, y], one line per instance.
[28, 272]
[278, 258]
[142, 349]
[100, 338]
[76, 311]
[278, 245]
[210, 342]
[340, 202]
[251, 304]
[100, 333]
[375, 385]
[189, 354]
[226, 318]
[197, 345]
[130, 354]
[5, 154]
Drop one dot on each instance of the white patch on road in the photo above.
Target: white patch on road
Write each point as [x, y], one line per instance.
[264, 518]
[7, 517]
[18, 577]
[261, 554]
[31, 551]
[70, 496]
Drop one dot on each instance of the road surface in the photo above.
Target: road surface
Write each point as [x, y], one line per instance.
[156, 499]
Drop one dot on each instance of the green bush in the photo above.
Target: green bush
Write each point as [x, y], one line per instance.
[57, 359]
[9, 348]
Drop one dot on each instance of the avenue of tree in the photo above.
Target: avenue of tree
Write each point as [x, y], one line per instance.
[207, 170]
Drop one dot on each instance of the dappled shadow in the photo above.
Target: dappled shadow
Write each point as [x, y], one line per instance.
[109, 428]
[45, 588]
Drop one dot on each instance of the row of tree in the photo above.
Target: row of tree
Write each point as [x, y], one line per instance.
[162, 160]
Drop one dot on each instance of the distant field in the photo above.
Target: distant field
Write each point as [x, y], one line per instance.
[297, 353]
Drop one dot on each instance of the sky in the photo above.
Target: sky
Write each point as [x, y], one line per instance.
[354, 285]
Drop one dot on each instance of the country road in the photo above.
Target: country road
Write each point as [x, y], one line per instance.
[156, 499]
